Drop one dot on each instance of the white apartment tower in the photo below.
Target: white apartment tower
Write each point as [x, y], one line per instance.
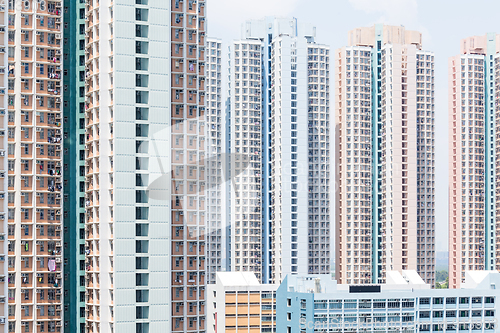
[300, 157]
[385, 156]
[34, 180]
[217, 189]
[145, 172]
[279, 141]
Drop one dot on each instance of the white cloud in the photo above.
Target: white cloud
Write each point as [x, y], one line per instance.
[391, 11]
[230, 14]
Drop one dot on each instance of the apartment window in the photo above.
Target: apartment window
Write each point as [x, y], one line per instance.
[141, 14]
[464, 300]
[141, 279]
[424, 301]
[141, 263]
[141, 213]
[141, 97]
[141, 64]
[141, 246]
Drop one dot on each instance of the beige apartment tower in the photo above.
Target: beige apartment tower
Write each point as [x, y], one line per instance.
[474, 159]
[384, 87]
[34, 126]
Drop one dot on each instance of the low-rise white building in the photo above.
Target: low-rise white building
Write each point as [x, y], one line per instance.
[405, 303]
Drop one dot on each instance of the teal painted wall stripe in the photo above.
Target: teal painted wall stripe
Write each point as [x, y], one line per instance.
[376, 110]
[74, 32]
[489, 178]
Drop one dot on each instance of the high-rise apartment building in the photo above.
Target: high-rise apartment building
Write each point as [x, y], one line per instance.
[145, 172]
[474, 115]
[300, 157]
[35, 170]
[74, 166]
[278, 82]
[217, 159]
[384, 87]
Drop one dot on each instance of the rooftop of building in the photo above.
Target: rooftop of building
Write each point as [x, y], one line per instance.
[481, 45]
[260, 29]
[387, 34]
[407, 280]
[237, 279]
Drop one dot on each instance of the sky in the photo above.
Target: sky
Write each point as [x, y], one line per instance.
[443, 23]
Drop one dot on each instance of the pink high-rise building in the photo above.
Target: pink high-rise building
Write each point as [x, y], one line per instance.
[474, 158]
[385, 155]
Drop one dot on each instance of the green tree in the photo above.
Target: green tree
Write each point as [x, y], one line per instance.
[441, 275]
[443, 285]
